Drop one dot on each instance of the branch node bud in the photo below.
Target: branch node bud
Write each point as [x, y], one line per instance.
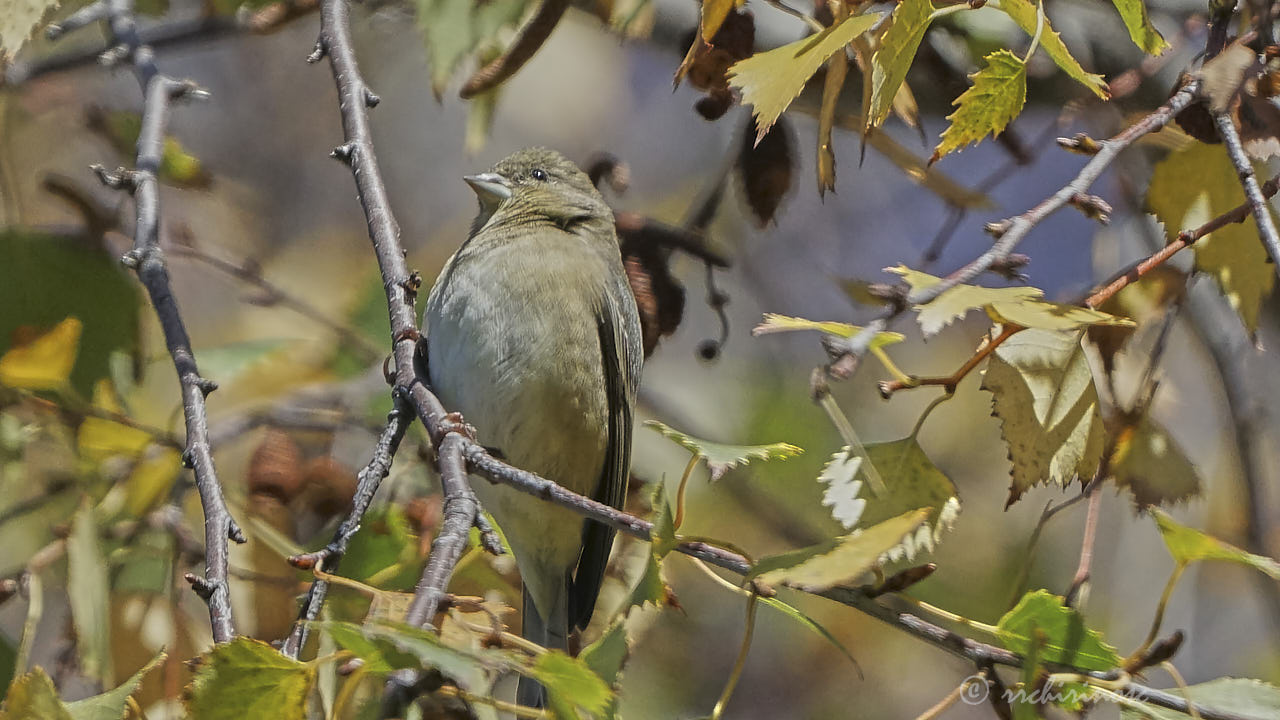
[1080, 143]
[371, 98]
[202, 586]
[318, 52]
[343, 153]
[1093, 207]
[998, 228]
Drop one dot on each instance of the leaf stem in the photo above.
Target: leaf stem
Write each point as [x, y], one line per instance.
[1035, 39]
[855, 445]
[948, 615]
[741, 661]
[684, 482]
[1159, 618]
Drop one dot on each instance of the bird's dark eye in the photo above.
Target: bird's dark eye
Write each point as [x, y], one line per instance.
[539, 174]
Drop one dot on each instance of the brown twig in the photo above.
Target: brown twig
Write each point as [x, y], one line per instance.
[949, 382]
[528, 41]
[147, 260]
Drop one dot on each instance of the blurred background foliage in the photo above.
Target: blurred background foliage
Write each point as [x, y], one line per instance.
[270, 260]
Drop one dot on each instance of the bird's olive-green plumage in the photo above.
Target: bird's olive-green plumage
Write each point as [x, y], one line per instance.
[533, 335]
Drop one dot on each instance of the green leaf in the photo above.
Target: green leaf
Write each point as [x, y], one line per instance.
[19, 19]
[246, 679]
[1066, 638]
[774, 323]
[892, 60]
[809, 623]
[113, 704]
[457, 29]
[841, 560]
[1149, 462]
[1233, 255]
[88, 592]
[473, 670]
[650, 588]
[770, 80]
[570, 681]
[721, 458]
[663, 535]
[1143, 33]
[609, 653]
[1017, 305]
[1044, 395]
[996, 97]
[225, 362]
[33, 697]
[1248, 699]
[49, 278]
[177, 166]
[8, 665]
[380, 655]
[1188, 545]
[1023, 13]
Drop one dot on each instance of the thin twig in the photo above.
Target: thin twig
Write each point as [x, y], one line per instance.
[147, 259]
[1249, 180]
[370, 477]
[1011, 231]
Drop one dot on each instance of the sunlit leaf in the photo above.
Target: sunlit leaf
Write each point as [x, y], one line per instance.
[609, 653]
[33, 696]
[45, 361]
[1238, 697]
[149, 483]
[99, 438]
[247, 678]
[1044, 395]
[1151, 464]
[1188, 545]
[1023, 13]
[770, 80]
[995, 98]
[112, 705]
[19, 19]
[841, 560]
[713, 14]
[1233, 255]
[774, 323]
[1045, 315]
[893, 58]
[955, 302]
[837, 72]
[721, 458]
[1067, 640]
[88, 591]
[1143, 33]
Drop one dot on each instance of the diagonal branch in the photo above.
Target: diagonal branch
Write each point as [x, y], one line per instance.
[1253, 194]
[147, 260]
[1011, 231]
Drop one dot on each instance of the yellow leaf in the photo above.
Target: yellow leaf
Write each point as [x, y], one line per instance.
[1233, 255]
[841, 560]
[956, 302]
[1143, 33]
[1051, 316]
[891, 61]
[713, 14]
[769, 81]
[99, 438]
[17, 21]
[837, 70]
[45, 363]
[996, 97]
[774, 323]
[1023, 13]
[150, 481]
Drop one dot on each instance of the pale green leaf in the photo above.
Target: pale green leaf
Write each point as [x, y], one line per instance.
[955, 302]
[88, 591]
[807, 622]
[1067, 640]
[33, 697]
[1143, 33]
[774, 323]
[892, 60]
[570, 681]
[1240, 697]
[1044, 395]
[246, 679]
[663, 534]
[609, 653]
[996, 97]
[456, 29]
[1045, 315]
[1188, 545]
[1233, 254]
[17, 21]
[112, 705]
[1149, 462]
[770, 80]
[1023, 13]
[720, 458]
[841, 560]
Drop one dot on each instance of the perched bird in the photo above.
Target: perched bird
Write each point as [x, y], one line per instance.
[533, 335]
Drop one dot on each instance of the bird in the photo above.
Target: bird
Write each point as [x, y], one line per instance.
[532, 334]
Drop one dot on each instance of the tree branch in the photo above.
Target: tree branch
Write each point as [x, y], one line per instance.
[1258, 206]
[147, 259]
[1011, 231]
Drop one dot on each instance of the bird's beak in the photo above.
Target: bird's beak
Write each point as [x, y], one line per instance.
[491, 188]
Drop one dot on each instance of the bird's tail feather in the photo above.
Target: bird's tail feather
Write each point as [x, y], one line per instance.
[551, 633]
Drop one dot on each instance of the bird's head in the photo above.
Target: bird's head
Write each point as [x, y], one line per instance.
[537, 185]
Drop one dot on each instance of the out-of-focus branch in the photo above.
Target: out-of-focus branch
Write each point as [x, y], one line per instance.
[147, 260]
[169, 34]
[1011, 231]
